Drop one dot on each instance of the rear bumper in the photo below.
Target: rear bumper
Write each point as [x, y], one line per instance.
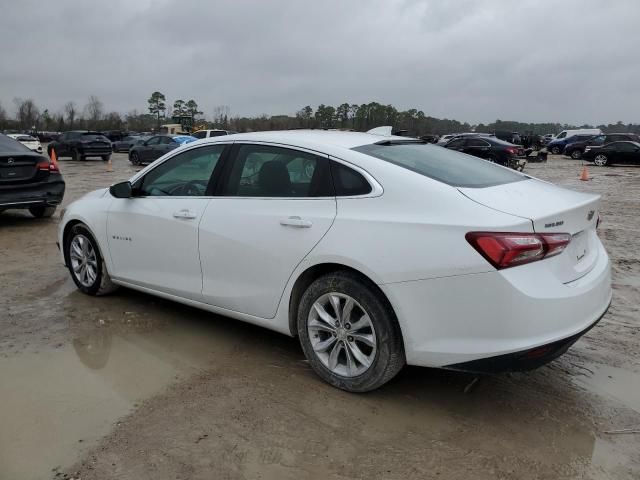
[461, 319]
[525, 360]
[49, 193]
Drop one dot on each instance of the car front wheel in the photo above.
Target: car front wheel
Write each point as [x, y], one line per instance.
[85, 263]
[601, 160]
[576, 154]
[349, 334]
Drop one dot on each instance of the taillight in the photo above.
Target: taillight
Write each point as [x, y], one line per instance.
[512, 151]
[47, 165]
[504, 250]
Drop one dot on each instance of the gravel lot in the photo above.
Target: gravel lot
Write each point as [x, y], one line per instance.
[134, 387]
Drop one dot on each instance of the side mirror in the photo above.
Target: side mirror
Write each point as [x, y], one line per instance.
[121, 190]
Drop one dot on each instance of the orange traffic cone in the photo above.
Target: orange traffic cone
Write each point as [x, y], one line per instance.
[584, 176]
[109, 165]
[54, 158]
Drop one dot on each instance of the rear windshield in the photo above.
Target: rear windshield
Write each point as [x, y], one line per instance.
[446, 166]
[10, 145]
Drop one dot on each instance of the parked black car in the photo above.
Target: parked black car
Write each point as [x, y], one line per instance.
[125, 144]
[616, 152]
[28, 180]
[576, 148]
[490, 148]
[152, 149]
[80, 144]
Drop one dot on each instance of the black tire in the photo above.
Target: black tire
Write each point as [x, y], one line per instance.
[576, 154]
[105, 158]
[492, 159]
[102, 285]
[42, 212]
[389, 357]
[555, 150]
[135, 159]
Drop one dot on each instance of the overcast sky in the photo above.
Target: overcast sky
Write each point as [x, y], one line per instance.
[574, 61]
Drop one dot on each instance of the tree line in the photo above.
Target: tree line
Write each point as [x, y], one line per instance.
[29, 116]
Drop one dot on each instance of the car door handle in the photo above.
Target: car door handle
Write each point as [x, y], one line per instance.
[185, 214]
[295, 221]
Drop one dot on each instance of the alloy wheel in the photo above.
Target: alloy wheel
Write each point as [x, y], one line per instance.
[342, 334]
[84, 261]
[600, 160]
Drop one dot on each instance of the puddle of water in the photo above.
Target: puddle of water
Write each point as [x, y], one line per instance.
[58, 402]
[620, 384]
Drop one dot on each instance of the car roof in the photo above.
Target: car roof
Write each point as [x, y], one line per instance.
[308, 138]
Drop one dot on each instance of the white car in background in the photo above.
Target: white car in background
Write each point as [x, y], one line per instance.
[376, 251]
[32, 143]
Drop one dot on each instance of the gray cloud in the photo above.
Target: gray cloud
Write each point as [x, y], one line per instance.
[570, 61]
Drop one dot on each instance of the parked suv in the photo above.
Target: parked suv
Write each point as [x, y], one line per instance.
[576, 149]
[28, 180]
[80, 144]
[557, 145]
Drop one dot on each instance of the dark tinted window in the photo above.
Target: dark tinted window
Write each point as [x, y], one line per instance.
[200, 134]
[217, 133]
[266, 171]
[186, 174]
[477, 142]
[457, 143]
[442, 164]
[626, 146]
[10, 145]
[348, 182]
[166, 140]
[154, 141]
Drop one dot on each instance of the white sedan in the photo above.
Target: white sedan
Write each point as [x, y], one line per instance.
[375, 251]
[32, 143]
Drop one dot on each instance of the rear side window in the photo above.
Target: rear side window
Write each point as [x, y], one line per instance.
[200, 134]
[348, 182]
[444, 165]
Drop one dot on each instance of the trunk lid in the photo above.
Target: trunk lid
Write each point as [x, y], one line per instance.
[16, 168]
[551, 209]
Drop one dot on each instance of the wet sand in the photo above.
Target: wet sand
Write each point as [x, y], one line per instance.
[134, 387]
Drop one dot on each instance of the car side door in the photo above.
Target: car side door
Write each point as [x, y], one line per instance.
[273, 205]
[153, 236]
[146, 149]
[477, 147]
[61, 145]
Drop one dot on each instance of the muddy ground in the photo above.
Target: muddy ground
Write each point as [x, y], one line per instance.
[134, 387]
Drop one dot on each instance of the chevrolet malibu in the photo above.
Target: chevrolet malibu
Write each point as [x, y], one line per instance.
[375, 251]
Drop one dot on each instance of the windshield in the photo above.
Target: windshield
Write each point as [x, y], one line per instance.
[10, 145]
[446, 166]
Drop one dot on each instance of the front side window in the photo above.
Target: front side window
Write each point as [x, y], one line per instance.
[442, 164]
[268, 171]
[154, 141]
[185, 175]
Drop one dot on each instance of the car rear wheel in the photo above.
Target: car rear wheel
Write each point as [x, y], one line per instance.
[105, 158]
[555, 150]
[135, 159]
[576, 154]
[349, 334]
[85, 263]
[42, 212]
[601, 160]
